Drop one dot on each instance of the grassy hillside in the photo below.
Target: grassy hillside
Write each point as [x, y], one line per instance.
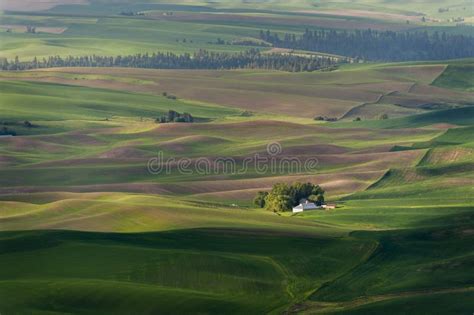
[456, 77]
[79, 171]
[459, 116]
[87, 228]
[213, 271]
[64, 102]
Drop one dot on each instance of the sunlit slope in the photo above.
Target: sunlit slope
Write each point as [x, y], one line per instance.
[120, 212]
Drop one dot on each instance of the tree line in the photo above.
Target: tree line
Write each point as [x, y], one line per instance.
[378, 45]
[202, 59]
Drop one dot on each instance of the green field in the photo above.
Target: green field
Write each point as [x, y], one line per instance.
[87, 228]
[456, 77]
[197, 237]
[98, 28]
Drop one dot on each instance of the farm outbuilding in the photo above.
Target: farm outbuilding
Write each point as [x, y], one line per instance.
[306, 205]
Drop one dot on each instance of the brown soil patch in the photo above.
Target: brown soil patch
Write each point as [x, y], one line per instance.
[96, 161]
[421, 73]
[265, 129]
[148, 188]
[265, 183]
[25, 144]
[442, 126]
[74, 138]
[315, 149]
[7, 160]
[125, 153]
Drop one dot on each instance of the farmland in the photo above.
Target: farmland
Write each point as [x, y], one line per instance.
[105, 210]
[94, 27]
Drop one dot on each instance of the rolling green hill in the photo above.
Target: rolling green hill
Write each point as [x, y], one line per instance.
[204, 242]
[457, 77]
[213, 271]
[88, 227]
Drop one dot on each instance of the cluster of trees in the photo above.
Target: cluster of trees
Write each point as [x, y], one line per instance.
[169, 96]
[174, 116]
[284, 197]
[5, 131]
[202, 59]
[378, 45]
[325, 118]
[8, 131]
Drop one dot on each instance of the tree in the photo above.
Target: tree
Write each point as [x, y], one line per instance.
[317, 190]
[383, 116]
[317, 197]
[320, 200]
[277, 203]
[172, 115]
[301, 191]
[259, 200]
[188, 117]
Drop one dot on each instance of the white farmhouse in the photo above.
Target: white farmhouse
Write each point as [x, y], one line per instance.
[305, 206]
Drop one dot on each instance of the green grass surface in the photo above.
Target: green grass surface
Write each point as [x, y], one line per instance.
[62, 102]
[211, 271]
[457, 77]
[459, 116]
[85, 229]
